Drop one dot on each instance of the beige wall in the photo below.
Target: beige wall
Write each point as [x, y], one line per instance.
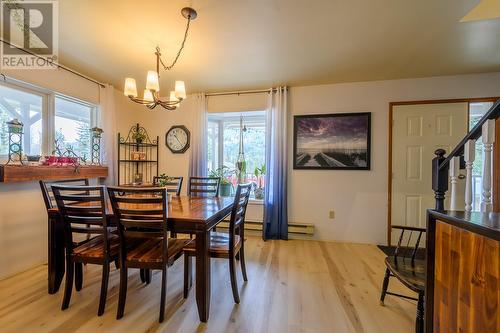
[23, 218]
[359, 198]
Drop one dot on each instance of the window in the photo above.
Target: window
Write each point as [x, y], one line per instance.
[223, 142]
[27, 107]
[73, 121]
[40, 110]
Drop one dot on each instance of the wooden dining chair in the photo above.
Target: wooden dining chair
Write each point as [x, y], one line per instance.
[225, 245]
[173, 186]
[204, 186]
[83, 211]
[408, 269]
[141, 215]
[50, 202]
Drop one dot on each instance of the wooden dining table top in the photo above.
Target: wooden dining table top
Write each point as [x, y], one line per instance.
[200, 210]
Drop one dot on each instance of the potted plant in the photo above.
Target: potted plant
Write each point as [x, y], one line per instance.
[224, 173]
[259, 189]
[163, 180]
[138, 137]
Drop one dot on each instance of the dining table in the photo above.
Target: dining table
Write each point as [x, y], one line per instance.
[186, 215]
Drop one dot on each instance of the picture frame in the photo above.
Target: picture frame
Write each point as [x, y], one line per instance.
[335, 141]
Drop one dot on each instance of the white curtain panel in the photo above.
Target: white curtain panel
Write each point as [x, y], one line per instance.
[275, 196]
[107, 122]
[198, 157]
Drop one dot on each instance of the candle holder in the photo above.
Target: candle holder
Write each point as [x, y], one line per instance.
[15, 131]
[96, 145]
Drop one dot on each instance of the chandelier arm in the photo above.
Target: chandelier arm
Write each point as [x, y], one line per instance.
[167, 68]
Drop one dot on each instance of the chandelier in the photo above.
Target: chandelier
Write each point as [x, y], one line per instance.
[151, 97]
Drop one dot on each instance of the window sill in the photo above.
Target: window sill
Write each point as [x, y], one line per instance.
[256, 202]
[23, 173]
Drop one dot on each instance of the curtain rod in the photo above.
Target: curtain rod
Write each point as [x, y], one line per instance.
[243, 92]
[56, 64]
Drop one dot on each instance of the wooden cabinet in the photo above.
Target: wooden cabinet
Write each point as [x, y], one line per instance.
[463, 281]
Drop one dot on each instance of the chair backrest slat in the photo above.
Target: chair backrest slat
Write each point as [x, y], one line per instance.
[140, 213]
[46, 187]
[82, 213]
[204, 186]
[173, 186]
[408, 251]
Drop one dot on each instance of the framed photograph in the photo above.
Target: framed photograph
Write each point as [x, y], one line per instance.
[138, 156]
[339, 141]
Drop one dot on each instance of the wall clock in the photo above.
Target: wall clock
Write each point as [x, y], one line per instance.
[177, 139]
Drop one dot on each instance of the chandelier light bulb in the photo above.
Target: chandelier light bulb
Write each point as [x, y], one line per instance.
[152, 82]
[130, 87]
[180, 90]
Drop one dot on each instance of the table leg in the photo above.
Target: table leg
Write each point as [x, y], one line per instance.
[55, 255]
[203, 275]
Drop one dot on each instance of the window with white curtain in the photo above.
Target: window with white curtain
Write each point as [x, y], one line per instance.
[46, 116]
[223, 141]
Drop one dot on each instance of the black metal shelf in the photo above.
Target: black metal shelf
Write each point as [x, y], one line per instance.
[132, 170]
[135, 144]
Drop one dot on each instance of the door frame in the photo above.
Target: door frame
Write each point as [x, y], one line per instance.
[391, 112]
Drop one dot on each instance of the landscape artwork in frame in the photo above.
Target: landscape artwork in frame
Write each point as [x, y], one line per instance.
[332, 141]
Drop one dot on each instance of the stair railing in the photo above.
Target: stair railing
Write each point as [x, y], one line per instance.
[446, 169]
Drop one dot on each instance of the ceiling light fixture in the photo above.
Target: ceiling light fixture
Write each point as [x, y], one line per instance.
[151, 97]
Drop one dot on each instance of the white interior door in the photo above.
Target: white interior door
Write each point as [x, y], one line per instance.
[418, 130]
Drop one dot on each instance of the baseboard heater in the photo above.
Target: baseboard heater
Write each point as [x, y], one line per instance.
[293, 228]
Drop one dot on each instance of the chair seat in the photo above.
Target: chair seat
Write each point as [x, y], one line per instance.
[150, 250]
[219, 243]
[94, 248]
[410, 273]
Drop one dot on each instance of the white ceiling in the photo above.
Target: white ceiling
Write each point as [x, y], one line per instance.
[245, 44]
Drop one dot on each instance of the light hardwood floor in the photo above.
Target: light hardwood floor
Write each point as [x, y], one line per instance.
[294, 286]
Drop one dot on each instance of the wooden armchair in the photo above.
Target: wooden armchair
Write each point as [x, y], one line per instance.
[409, 270]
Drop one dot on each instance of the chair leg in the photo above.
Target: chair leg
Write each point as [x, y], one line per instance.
[147, 276]
[123, 291]
[385, 284]
[141, 274]
[242, 263]
[78, 276]
[188, 278]
[70, 266]
[234, 283]
[419, 324]
[104, 288]
[163, 294]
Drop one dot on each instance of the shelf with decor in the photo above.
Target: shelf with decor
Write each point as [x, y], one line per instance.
[137, 157]
[10, 173]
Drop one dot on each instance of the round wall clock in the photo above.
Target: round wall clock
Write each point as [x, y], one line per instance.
[177, 139]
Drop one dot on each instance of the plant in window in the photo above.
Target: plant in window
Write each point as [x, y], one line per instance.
[224, 173]
[259, 173]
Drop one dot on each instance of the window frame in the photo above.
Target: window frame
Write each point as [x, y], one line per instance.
[49, 111]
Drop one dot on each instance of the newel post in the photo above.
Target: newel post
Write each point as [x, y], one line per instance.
[439, 178]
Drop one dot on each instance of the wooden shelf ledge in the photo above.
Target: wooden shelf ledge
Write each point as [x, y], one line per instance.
[24, 173]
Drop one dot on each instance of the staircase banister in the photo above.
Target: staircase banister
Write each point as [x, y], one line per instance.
[474, 134]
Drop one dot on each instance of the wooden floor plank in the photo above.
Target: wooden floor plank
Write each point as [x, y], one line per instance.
[294, 286]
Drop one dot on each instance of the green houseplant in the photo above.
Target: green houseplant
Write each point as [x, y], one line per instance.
[259, 189]
[224, 173]
[139, 137]
[163, 180]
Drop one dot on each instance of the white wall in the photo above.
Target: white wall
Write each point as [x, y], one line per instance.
[359, 198]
